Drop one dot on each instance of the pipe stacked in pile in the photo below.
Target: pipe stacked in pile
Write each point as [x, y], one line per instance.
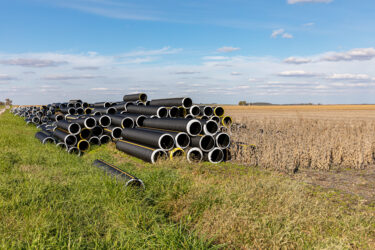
[149, 130]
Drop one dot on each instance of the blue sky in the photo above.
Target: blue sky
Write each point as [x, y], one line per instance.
[280, 51]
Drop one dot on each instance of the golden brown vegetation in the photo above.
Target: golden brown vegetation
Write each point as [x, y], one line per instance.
[314, 137]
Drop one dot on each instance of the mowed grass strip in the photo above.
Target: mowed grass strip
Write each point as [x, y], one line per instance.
[51, 199]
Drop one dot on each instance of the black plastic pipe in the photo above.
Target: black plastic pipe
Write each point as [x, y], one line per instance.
[67, 138]
[191, 126]
[173, 112]
[104, 139]
[108, 111]
[222, 140]
[205, 142]
[74, 150]
[185, 102]
[122, 121]
[194, 155]
[147, 110]
[56, 117]
[206, 110]
[226, 121]
[83, 145]
[62, 145]
[181, 139]
[135, 97]
[101, 105]
[97, 131]
[214, 156]
[43, 138]
[71, 127]
[117, 172]
[210, 127]
[156, 139]
[215, 118]
[176, 153]
[68, 110]
[103, 120]
[219, 111]
[194, 110]
[145, 153]
[137, 118]
[85, 134]
[94, 140]
[87, 122]
[113, 131]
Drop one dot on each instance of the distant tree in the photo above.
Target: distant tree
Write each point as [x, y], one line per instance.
[2, 103]
[242, 103]
[8, 102]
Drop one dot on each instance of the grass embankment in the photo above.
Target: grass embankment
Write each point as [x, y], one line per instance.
[51, 199]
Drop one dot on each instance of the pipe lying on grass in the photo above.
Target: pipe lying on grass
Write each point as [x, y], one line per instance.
[122, 121]
[205, 142]
[71, 127]
[156, 139]
[68, 139]
[62, 146]
[97, 131]
[222, 140]
[176, 152]
[194, 155]
[104, 139]
[226, 121]
[87, 122]
[181, 139]
[94, 140]
[117, 172]
[214, 156]
[44, 138]
[85, 134]
[148, 154]
[83, 145]
[192, 127]
[74, 150]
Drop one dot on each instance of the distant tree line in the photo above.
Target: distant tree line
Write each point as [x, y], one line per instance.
[244, 103]
[8, 102]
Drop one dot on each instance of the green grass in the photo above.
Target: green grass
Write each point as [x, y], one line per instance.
[50, 199]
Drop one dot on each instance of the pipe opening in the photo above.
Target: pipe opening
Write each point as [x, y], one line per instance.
[162, 112]
[77, 105]
[204, 117]
[215, 118]
[182, 140]
[48, 140]
[70, 140]
[176, 153]
[74, 150]
[187, 102]
[216, 155]
[71, 111]
[111, 111]
[195, 110]
[166, 142]
[189, 116]
[157, 155]
[94, 140]
[83, 145]
[88, 111]
[140, 120]
[211, 127]
[74, 128]
[227, 121]
[71, 105]
[223, 140]
[194, 127]
[127, 122]
[207, 143]
[194, 155]
[85, 105]
[97, 131]
[116, 132]
[219, 111]
[97, 113]
[135, 183]
[62, 145]
[105, 121]
[104, 139]
[107, 104]
[143, 97]
[208, 111]
[90, 122]
[173, 112]
[59, 117]
[85, 133]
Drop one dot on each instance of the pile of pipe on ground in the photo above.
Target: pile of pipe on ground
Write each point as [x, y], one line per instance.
[149, 130]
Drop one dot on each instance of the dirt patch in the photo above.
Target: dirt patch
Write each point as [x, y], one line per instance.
[357, 182]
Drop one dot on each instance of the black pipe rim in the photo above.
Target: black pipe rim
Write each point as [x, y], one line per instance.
[111, 111]
[94, 140]
[62, 145]
[189, 116]
[104, 139]
[182, 140]
[216, 155]
[140, 119]
[192, 158]
[49, 140]
[208, 111]
[74, 150]
[173, 112]
[80, 111]
[97, 131]
[85, 133]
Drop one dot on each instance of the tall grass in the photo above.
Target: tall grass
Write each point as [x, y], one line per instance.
[49, 199]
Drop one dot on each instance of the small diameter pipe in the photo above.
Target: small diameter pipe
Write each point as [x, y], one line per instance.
[68, 110]
[185, 102]
[71, 127]
[104, 139]
[222, 140]
[113, 131]
[150, 138]
[130, 179]
[122, 121]
[80, 111]
[56, 117]
[148, 154]
[181, 139]
[103, 120]
[219, 111]
[88, 111]
[43, 138]
[194, 110]
[216, 155]
[206, 142]
[108, 111]
[227, 121]
[83, 145]
[210, 127]
[67, 138]
[191, 126]
[94, 140]
[161, 112]
[176, 153]
[189, 116]
[135, 97]
[194, 155]
[101, 105]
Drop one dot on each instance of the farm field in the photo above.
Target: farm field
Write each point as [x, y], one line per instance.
[50, 199]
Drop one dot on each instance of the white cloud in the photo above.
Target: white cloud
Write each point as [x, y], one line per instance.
[296, 60]
[215, 58]
[297, 73]
[67, 77]
[163, 51]
[226, 49]
[361, 54]
[32, 62]
[349, 77]
[282, 33]
[236, 73]
[308, 1]
[309, 24]
[99, 89]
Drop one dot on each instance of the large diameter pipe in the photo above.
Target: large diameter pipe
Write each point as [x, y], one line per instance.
[114, 132]
[122, 121]
[108, 111]
[216, 155]
[148, 110]
[210, 127]
[137, 118]
[182, 139]
[176, 153]
[130, 179]
[191, 126]
[185, 102]
[219, 111]
[68, 110]
[135, 97]
[206, 110]
[227, 121]
[68, 139]
[150, 138]
[87, 122]
[194, 155]
[103, 120]
[148, 154]
[44, 138]
[173, 112]
[83, 145]
[71, 127]
[222, 140]
[205, 142]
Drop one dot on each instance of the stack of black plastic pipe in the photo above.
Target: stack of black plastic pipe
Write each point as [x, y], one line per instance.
[149, 130]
